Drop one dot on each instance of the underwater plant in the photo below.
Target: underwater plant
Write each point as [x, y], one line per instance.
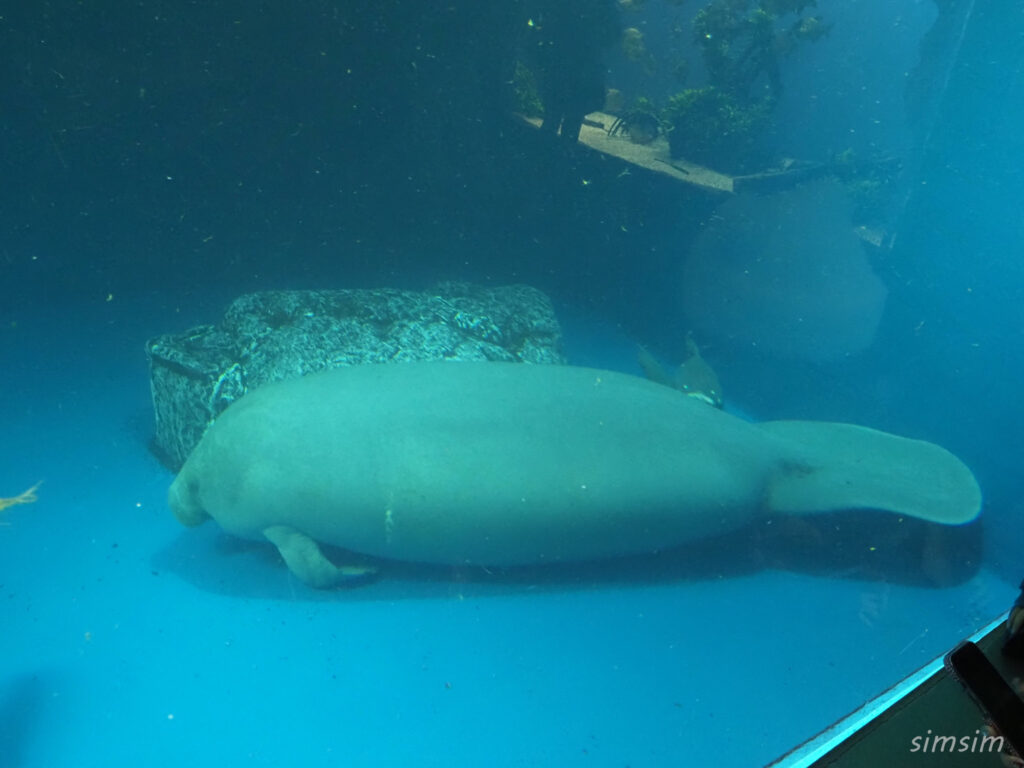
[525, 92]
[872, 183]
[737, 47]
[713, 128]
[741, 43]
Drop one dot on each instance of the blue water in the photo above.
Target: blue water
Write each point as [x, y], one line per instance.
[129, 640]
[215, 152]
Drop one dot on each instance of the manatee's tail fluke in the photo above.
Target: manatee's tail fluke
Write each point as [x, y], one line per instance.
[843, 466]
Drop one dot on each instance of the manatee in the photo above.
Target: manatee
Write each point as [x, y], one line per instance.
[492, 463]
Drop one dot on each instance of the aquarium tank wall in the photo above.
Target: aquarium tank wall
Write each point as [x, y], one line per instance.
[530, 382]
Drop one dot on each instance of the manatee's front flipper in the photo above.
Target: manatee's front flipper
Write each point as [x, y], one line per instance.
[305, 560]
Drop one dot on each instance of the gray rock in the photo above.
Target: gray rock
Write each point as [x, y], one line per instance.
[276, 335]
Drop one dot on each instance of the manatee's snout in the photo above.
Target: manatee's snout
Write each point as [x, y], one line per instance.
[183, 500]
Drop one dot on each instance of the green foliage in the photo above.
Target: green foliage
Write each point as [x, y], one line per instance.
[643, 105]
[741, 45]
[711, 127]
[781, 7]
[741, 42]
[871, 183]
[525, 93]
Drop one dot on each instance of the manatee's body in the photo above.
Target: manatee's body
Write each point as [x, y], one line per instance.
[501, 463]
